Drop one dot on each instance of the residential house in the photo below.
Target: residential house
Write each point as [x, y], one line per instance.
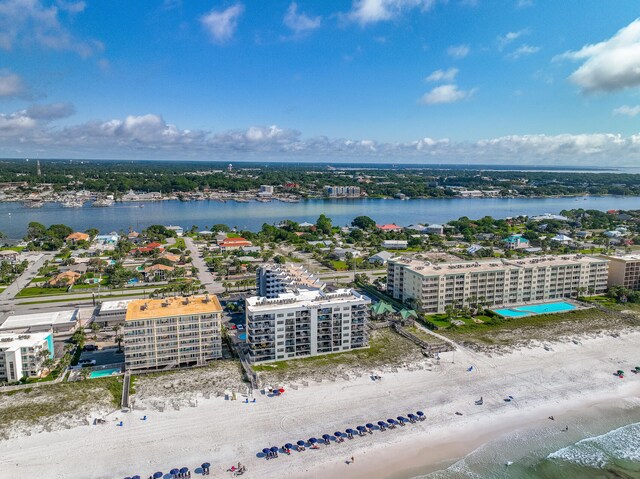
[390, 227]
[435, 229]
[77, 237]
[64, 279]
[381, 258]
[515, 242]
[562, 239]
[231, 244]
[8, 256]
[395, 244]
[157, 272]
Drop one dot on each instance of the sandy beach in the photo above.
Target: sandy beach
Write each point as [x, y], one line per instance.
[561, 382]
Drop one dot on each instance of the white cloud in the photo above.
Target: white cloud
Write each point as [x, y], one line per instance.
[446, 94]
[366, 12]
[443, 75]
[522, 51]
[458, 51]
[299, 22]
[626, 110]
[610, 65]
[11, 85]
[222, 24]
[507, 38]
[142, 136]
[27, 22]
[52, 111]
[71, 7]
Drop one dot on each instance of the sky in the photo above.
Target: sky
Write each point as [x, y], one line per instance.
[537, 82]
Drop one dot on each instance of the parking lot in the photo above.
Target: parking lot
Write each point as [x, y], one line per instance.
[104, 356]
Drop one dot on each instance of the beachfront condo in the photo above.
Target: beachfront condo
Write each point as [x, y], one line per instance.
[494, 282]
[172, 332]
[296, 315]
[22, 355]
[624, 271]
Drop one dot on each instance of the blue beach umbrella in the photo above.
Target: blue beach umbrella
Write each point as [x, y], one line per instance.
[369, 425]
[392, 421]
[402, 419]
[288, 446]
[274, 449]
[184, 470]
[300, 443]
[127, 477]
[337, 434]
[420, 413]
[361, 428]
[174, 471]
[382, 424]
[205, 465]
[350, 431]
[135, 477]
[266, 450]
[313, 440]
[157, 475]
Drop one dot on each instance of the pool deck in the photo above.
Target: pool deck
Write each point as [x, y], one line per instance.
[577, 306]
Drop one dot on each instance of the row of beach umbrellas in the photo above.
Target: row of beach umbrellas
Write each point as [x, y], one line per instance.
[173, 472]
[326, 438]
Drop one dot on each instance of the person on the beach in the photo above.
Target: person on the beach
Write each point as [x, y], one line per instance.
[552, 418]
[352, 459]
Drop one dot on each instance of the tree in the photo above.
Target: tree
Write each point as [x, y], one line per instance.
[35, 231]
[363, 222]
[324, 224]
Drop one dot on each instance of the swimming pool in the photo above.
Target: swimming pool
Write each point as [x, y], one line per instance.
[103, 373]
[545, 308]
[242, 336]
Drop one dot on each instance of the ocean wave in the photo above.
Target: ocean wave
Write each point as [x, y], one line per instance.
[598, 451]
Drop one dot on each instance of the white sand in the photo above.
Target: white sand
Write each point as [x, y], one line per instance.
[224, 432]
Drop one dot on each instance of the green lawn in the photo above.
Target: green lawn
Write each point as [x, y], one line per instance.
[179, 244]
[17, 249]
[32, 291]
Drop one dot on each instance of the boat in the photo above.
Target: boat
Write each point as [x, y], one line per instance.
[72, 204]
[34, 204]
[102, 203]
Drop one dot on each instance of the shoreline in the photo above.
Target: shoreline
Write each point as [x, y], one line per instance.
[566, 380]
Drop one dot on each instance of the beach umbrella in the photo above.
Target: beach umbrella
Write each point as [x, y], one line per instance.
[157, 475]
[412, 416]
[300, 443]
[326, 437]
[288, 446]
[337, 434]
[174, 471]
[313, 440]
[281, 390]
[266, 450]
[402, 419]
[420, 413]
[392, 421]
[274, 449]
[184, 470]
[205, 465]
[127, 477]
[350, 431]
[369, 425]
[361, 428]
[135, 477]
[382, 424]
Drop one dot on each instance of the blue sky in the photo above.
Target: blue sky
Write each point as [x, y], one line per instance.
[423, 81]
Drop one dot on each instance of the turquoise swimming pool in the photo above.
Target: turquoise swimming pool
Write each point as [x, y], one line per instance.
[103, 373]
[545, 308]
[242, 336]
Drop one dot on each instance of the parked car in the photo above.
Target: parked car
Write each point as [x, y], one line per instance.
[87, 362]
[90, 347]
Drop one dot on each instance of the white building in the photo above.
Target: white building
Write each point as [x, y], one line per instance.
[266, 190]
[177, 229]
[295, 316]
[60, 322]
[434, 229]
[20, 354]
[342, 191]
[494, 282]
[112, 312]
[395, 244]
[172, 332]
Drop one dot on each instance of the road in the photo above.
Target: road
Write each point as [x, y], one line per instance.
[204, 275]
[24, 279]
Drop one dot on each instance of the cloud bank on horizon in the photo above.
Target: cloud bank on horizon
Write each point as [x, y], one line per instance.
[424, 81]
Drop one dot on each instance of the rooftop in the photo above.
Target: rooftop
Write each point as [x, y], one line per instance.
[115, 305]
[13, 342]
[176, 306]
[55, 318]
[304, 298]
[626, 257]
[425, 268]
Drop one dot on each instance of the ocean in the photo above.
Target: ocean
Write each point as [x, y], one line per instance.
[601, 444]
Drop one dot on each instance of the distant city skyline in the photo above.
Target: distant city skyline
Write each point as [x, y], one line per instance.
[408, 81]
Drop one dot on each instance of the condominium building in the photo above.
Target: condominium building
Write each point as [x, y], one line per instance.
[624, 271]
[22, 354]
[342, 191]
[172, 332]
[494, 282]
[296, 316]
[273, 279]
